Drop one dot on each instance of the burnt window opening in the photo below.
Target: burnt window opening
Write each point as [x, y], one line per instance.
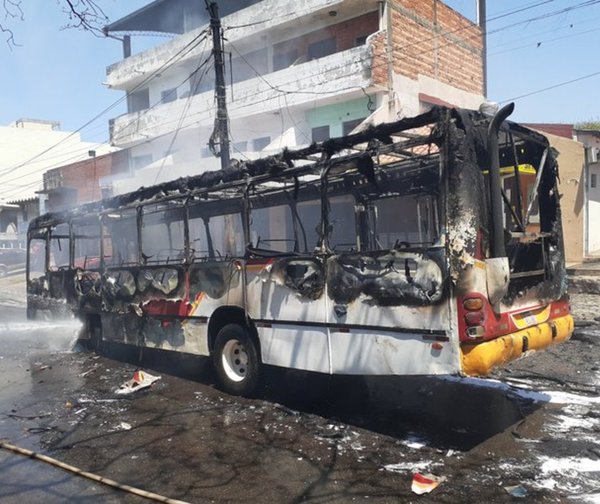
[120, 238]
[341, 232]
[272, 229]
[37, 258]
[216, 233]
[530, 208]
[86, 243]
[163, 236]
[403, 221]
[59, 247]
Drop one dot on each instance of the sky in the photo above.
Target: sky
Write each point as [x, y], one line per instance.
[56, 73]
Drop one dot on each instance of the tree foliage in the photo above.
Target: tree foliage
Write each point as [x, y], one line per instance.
[80, 14]
[590, 124]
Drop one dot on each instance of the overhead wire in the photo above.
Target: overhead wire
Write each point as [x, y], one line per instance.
[285, 92]
[78, 152]
[173, 59]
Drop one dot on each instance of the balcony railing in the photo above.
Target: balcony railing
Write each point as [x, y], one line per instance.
[341, 73]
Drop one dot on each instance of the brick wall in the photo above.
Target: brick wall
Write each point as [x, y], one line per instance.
[430, 38]
[80, 182]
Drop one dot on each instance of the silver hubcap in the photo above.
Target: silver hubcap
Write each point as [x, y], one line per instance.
[235, 360]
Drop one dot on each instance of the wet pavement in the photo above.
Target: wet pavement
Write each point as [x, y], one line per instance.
[307, 438]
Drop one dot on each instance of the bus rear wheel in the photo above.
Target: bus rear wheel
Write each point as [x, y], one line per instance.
[236, 360]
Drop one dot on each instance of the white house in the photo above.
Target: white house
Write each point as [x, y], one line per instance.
[297, 71]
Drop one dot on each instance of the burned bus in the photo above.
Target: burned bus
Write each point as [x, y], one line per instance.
[431, 245]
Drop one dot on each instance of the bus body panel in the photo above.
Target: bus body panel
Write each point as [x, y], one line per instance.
[368, 254]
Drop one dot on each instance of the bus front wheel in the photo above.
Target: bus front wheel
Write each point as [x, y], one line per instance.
[236, 360]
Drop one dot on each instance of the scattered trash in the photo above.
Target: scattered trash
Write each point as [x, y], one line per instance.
[68, 404]
[425, 483]
[123, 426]
[516, 491]
[140, 380]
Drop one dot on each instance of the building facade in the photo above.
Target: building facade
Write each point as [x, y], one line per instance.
[28, 148]
[297, 72]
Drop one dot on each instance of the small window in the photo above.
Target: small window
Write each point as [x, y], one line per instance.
[138, 100]
[240, 146]
[322, 48]
[138, 162]
[168, 95]
[593, 180]
[259, 144]
[284, 59]
[320, 134]
[359, 41]
[348, 126]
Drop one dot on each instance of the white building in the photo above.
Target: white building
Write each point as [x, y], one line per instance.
[28, 148]
[591, 140]
[302, 70]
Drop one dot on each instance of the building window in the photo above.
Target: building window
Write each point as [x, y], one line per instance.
[138, 100]
[240, 146]
[320, 134]
[360, 41]
[138, 162]
[168, 95]
[593, 180]
[322, 48]
[348, 126]
[259, 144]
[284, 59]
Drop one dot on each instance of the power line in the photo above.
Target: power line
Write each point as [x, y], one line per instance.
[551, 87]
[165, 66]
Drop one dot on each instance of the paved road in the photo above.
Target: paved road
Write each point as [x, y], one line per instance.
[309, 438]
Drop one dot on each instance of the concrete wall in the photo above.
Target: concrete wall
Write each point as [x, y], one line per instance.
[571, 163]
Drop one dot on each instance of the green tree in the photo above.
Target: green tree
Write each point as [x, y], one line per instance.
[590, 124]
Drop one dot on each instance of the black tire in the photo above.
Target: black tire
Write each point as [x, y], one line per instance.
[237, 361]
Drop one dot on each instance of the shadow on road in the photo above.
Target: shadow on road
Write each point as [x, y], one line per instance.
[447, 412]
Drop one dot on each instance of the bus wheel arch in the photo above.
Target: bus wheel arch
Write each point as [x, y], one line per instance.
[237, 360]
[235, 351]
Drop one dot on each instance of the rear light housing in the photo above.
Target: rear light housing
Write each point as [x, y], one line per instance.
[474, 316]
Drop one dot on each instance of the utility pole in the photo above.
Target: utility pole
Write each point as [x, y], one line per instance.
[482, 22]
[222, 126]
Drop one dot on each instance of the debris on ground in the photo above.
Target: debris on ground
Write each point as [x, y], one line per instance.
[516, 491]
[141, 380]
[425, 483]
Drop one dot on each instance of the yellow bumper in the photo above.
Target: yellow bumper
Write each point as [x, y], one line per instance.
[480, 358]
